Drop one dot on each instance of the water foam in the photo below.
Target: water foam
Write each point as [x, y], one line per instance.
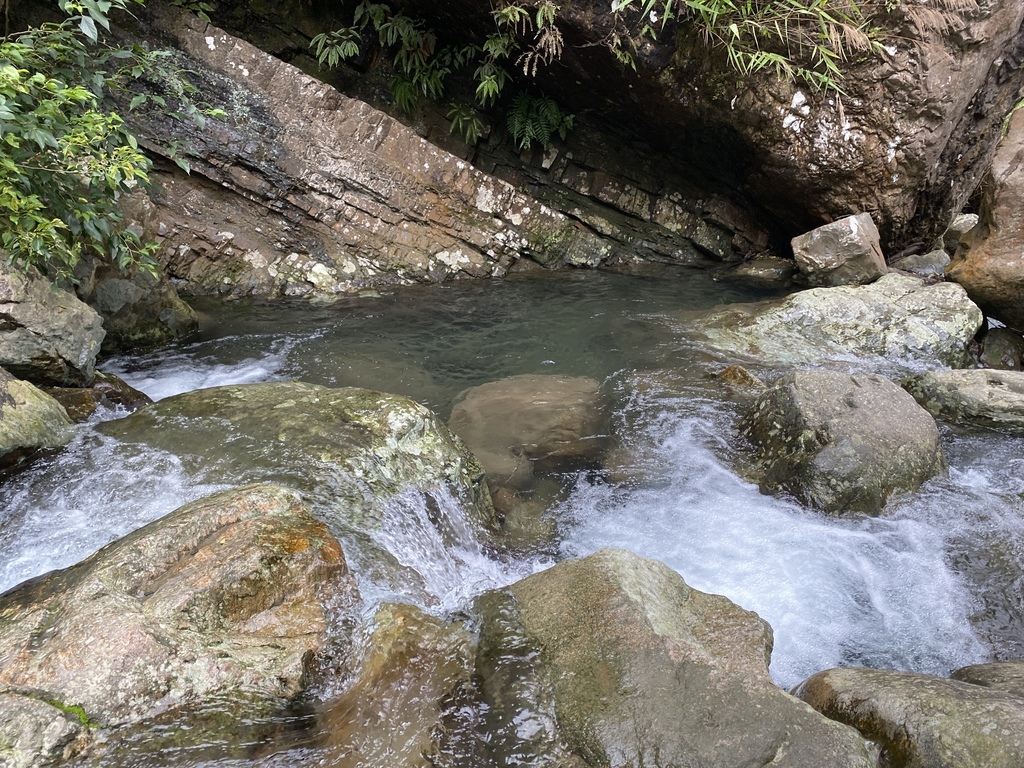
[869, 591]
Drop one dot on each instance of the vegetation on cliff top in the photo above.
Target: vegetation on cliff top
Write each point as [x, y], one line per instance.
[800, 40]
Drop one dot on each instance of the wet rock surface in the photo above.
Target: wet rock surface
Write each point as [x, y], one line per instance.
[30, 420]
[47, 335]
[525, 422]
[613, 660]
[841, 443]
[406, 681]
[350, 450]
[972, 396]
[1005, 676]
[923, 721]
[988, 262]
[898, 316]
[34, 734]
[229, 595]
[107, 390]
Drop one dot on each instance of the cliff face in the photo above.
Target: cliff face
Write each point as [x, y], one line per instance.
[907, 141]
[299, 189]
[302, 189]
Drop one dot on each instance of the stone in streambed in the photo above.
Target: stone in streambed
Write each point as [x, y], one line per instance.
[1003, 349]
[972, 396]
[522, 422]
[107, 390]
[350, 450]
[841, 443]
[229, 595]
[922, 721]
[1005, 676]
[613, 660]
[392, 712]
[988, 263]
[35, 734]
[30, 421]
[898, 316]
[47, 335]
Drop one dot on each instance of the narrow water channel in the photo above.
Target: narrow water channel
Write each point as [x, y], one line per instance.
[933, 584]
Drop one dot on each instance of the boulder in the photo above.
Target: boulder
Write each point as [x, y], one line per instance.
[30, 420]
[1005, 676]
[960, 226]
[107, 390]
[843, 252]
[36, 734]
[898, 316]
[47, 335]
[613, 660]
[1003, 349]
[228, 596]
[930, 264]
[393, 712]
[980, 396]
[922, 721]
[349, 450]
[522, 422]
[140, 309]
[988, 262]
[841, 443]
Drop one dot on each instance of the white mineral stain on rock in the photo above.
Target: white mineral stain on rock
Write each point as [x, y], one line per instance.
[210, 44]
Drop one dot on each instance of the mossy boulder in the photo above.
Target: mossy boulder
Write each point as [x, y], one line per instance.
[349, 450]
[36, 734]
[898, 316]
[923, 721]
[612, 660]
[841, 443]
[30, 421]
[998, 675]
[231, 595]
[987, 397]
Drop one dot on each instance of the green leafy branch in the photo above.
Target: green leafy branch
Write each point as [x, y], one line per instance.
[422, 67]
[806, 40]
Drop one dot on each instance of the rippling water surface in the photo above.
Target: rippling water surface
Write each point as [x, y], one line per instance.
[933, 584]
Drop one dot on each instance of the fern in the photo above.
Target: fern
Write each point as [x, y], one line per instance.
[536, 118]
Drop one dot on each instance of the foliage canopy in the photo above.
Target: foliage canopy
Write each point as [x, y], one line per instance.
[804, 40]
[65, 157]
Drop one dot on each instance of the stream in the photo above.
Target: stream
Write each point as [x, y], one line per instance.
[933, 584]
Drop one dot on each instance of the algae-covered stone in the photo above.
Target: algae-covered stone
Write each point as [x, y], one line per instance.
[842, 443]
[614, 659]
[1002, 348]
[231, 594]
[35, 734]
[1005, 676]
[923, 721]
[898, 316]
[30, 420]
[979, 396]
[348, 449]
